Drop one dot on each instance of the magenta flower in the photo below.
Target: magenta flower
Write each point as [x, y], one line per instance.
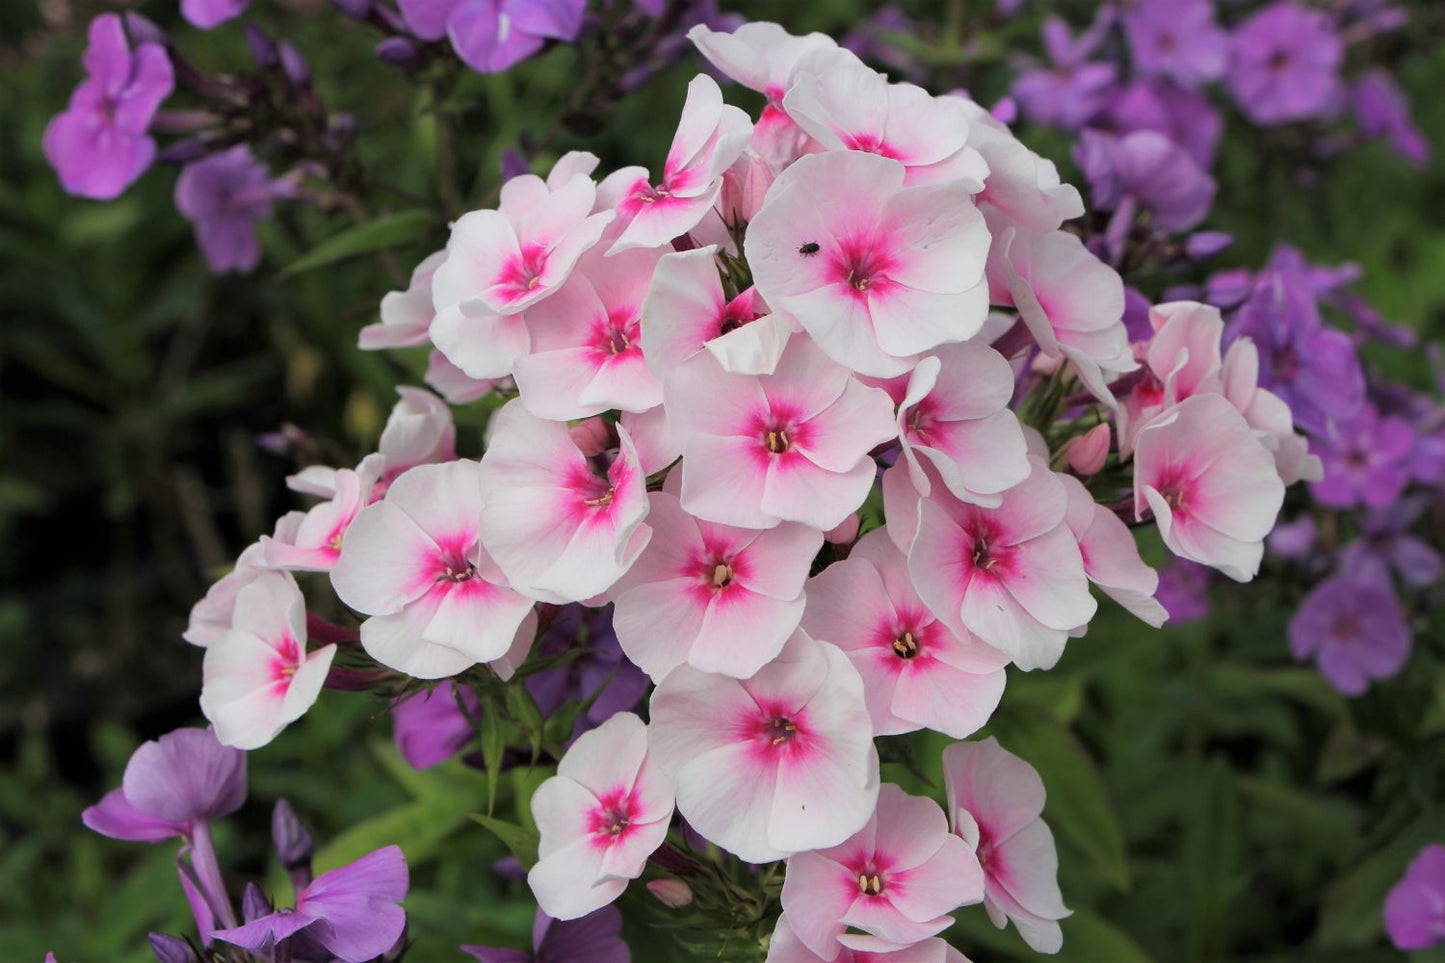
[995, 801]
[888, 886]
[99, 145]
[352, 911]
[917, 673]
[1177, 39]
[1415, 908]
[789, 446]
[600, 818]
[414, 562]
[206, 14]
[491, 36]
[1353, 628]
[594, 938]
[224, 195]
[718, 598]
[1284, 64]
[776, 764]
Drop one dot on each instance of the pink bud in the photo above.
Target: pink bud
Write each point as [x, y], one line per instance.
[743, 187]
[672, 893]
[1088, 452]
[845, 532]
[591, 436]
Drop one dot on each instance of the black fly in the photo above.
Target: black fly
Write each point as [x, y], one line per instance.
[809, 249]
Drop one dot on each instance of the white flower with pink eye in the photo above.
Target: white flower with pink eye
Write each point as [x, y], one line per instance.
[415, 564]
[1011, 575]
[586, 353]
[560, 531]
[257, 678]
[786, 947]
[1111, 556]
[1024, 187]
[890, 885]
[1268, 414]
[789, 446]
[953, 413]
[718, 598]
[600, 818]
[1180, 360]
[917, 673]
[687, 311]
[311, 541]
[211, 616]
[853, 107]
[1211, 483]
[995, 800]
[406, 316]
[419, 431]
[771, 765]
[891, 273]
[454, 384]
[710, 136]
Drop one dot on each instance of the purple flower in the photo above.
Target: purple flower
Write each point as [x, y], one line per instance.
[212, 13]
[224, 195]
[1177, 39]
[1415, 908]
[579, 679]
[1145, 169]
[1184, 116]
[1294, 540]
[430, 727]
[492, 35]
[1353, 627]
[352, 911]
[1073, 91]
[1366, 460]
[1284, 64]
[594, 938]
[1383, 112]
[1386, 544]
[1184, 591]
[99, 145]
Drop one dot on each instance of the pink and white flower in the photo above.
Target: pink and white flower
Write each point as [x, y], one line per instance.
[995, 801]
[1022, 186]
[786, 947]
[600, 818]
[454, 384]
[1012, 575]
[892, 273]
[1111, 556]
[586, 354]
[789, 446]
[414, 562]
[419, 431]
[710, 136]
[406, 316]
[888, 886]
[776, 764]
[211, 616]
[257, 678]
[917, 673]
[1211, 484]
[718, 598]
[558, 531]
[311, 541]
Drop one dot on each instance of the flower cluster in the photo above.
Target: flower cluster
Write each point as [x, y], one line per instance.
[813, 431]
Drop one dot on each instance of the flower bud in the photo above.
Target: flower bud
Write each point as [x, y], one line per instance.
[263, 48]
[743, 186]
[254, 903]
[397, 51]
[172, 949]
[184, 151]
[1088, 452]
[591, 436]
[1206, 244]
[293, 843]
[355, 9]
[514, 164]
[142, 30]
[295, 66]
[672, 893]
[845, 532]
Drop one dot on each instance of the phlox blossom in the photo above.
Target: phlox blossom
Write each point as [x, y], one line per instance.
[311, 541]
[1022, 186]
[1415, 907]
[600, 818]
[211, 616]
[786, 947]
[406, 316]
[771, 765]
[1111, 555]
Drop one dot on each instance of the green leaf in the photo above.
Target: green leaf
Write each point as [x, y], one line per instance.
[1093, 939]
[377, 235]
[521, 841]
[494, 744]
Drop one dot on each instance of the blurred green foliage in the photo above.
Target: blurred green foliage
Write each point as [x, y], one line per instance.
[1212, 801]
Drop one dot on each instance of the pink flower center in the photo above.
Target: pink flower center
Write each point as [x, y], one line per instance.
[871, 883]
[523, 271]
[611, 819]
[780, 730]
[1174, 489]
[861, 266]
[722, 575]
[286, 661]
[988, 556]
[905, 646]
[920, 421]
[776, 440]
[457, 572]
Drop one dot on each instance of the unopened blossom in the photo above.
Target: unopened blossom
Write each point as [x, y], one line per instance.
[995, 802]
[917, 672]
[686, 311]
[432, 726]
[786, 947]
[353, 911]
[894, 272]
[853, 107]
[953, 414]
[559, 531]
[1211, 484]
[224, 195]
[1088, 453]
[212, 13]
[710, 136]
[890, 885]
[718, 598]
[789, 446]
[600, 818]
[1111, 555]
[258, 678]
[491, 36]
[776, 764]
[1177, 39]
[211, 616]
[1353, 628]
[1011, 575]
[1284, 63]
[406, 316]
[1023, 186]
[1366, 460]
[594, 938]
[1415, 907]
[311, 541]
[100, 144]
[415, 564]
[587, 351]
